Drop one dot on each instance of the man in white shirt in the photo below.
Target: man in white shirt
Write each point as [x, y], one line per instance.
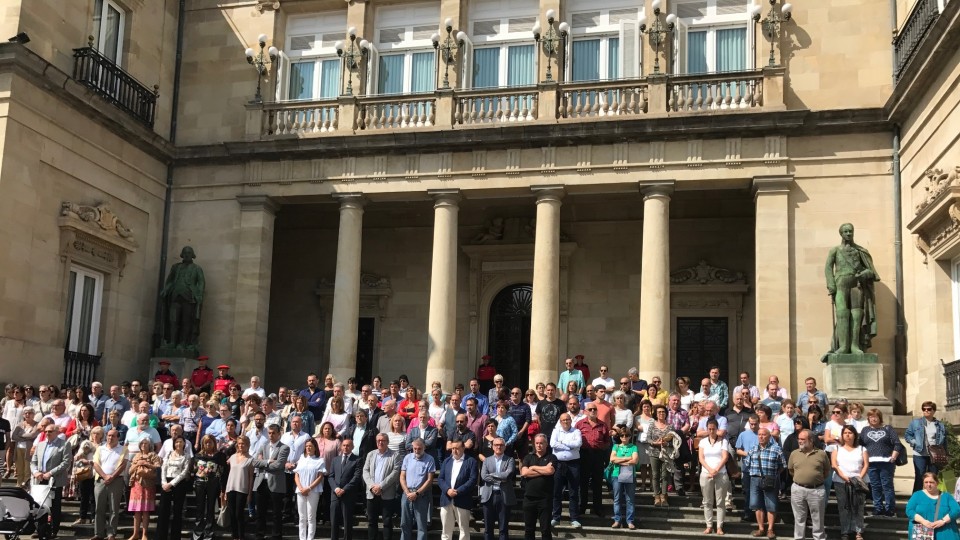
[166, 448]
[258, 434]
[271, 416]
[745, 385]
[295, 439]
[565, 441]
[704, 393]
[59, 414]
[783, 392]
[348, 402]
[142, 431]
[458, 476]
[109, 462]
[255, 388]
[607, 381]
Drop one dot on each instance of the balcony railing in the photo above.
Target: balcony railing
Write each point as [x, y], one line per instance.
[114, 84]
[612, 98]
[668, 95]
[924, 14]
[79, 368]
[951, 371]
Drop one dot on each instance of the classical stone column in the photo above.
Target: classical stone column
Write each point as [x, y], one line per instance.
[545, 314]
[442, 325]
[252, 296]
[346, 291]
[772, 283]
[655, 281]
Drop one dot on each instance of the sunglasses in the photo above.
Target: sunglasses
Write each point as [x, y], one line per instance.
[592, 409]
[841, 412]
[602, 370]
[928, 408]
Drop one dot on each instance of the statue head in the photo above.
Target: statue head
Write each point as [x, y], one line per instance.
[187, 254]
[846, 232]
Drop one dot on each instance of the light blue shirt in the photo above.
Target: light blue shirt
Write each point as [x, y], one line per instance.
[381, 466]
[417, 469]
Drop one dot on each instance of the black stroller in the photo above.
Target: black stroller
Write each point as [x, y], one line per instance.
[21, 515]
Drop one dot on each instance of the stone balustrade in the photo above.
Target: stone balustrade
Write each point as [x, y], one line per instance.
[654, 96]
[701, 93]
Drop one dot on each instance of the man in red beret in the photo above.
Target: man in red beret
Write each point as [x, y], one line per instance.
[164, 375]
[202, 376]
[223, 380]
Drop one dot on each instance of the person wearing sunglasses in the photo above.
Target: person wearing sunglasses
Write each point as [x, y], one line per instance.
[922, 434]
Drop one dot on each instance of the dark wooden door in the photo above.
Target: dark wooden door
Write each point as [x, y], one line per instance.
[508, 339]
[702, 342]
[365, 336]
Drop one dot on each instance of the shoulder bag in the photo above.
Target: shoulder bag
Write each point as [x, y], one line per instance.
[938, 455]
[921, 532]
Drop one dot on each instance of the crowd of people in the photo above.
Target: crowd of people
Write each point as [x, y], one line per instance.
[320, 454]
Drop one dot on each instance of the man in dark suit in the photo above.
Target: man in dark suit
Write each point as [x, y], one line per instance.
[51, 465]
[496, 493]
[458, 478]
[270, 482]
[345, 481]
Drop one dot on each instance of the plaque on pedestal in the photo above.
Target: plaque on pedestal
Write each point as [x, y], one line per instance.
[861, 382]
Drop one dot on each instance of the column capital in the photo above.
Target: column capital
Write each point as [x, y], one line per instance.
[773, 184]
[445, 197]
[251, 203]
[353, 201]
[656, 188]
[551, 193]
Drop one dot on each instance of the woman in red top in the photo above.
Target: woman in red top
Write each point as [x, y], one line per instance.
[409, 408]
[486, 373]
[82, 425]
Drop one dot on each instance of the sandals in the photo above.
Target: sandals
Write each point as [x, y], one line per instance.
[720, 532]
[631, 526]
[771, 535]
[616, 525]
[757, 533]
[708, 530]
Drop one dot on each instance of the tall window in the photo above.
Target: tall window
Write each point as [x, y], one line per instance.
[107, 32]
[84, 302]
[502, 51]
[955, 278]
[309, 65]
[596, 52]
[713, 36]
[407, 61]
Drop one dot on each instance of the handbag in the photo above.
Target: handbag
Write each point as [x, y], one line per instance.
[733, 468]
[921, 532]
[901, 452]
[223, 518]
[938, 455]
[859, 485]
[82, 473]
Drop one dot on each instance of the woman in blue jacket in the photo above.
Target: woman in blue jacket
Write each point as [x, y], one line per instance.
[921, 433]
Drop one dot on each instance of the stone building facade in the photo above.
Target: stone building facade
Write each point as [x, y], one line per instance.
[399, 202]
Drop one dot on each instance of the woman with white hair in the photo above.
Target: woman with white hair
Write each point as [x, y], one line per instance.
[621, 413]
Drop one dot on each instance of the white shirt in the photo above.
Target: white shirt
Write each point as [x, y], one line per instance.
[110, 457]
[607, 383]
[61, 420]
[713, 452]
[455, 472]
[781, 391]
[167, 449]
[566, 444]
[258, 391]
[295, 442]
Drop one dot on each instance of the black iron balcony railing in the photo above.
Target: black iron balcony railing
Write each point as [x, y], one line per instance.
[79, 368]
[951, 370]
[114, 84]
[908, 40]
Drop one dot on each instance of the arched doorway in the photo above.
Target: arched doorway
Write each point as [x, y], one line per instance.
[508, 340]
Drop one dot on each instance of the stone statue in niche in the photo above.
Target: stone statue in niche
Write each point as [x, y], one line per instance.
[182, 298]
[493, 233]
[850, 276]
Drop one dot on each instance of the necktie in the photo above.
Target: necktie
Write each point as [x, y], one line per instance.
[343, 462]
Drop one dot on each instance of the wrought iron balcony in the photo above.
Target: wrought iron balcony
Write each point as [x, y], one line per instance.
[114, 84]
[908, 40]
[79, 368]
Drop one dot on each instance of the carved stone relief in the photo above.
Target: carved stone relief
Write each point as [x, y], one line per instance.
[95, 236]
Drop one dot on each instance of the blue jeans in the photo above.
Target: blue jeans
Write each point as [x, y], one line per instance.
[763, 499]
[567, 476]
[417, 511]
[621, 492]
[922, 465]
[881, 486]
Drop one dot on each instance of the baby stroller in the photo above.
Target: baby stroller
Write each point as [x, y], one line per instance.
[21, 515]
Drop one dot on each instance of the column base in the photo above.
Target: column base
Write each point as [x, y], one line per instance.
[858, 382]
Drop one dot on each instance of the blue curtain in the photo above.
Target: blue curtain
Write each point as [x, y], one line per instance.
[613, 59]
[486, 67]
[301, 80]
[520, 65]
[697, 52]
[329, 78]
[585, 60]
[391, 74]
[731, 49]
[423, 72]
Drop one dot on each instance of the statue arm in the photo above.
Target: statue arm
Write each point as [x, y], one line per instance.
[828, 272]
[168, 285]
[200, 286]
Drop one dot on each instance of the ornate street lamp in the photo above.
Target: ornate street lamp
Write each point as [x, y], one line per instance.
[772, 22]
[352, 57]
[657, 32]
[554, 40]
[449, 48]
[260, 63]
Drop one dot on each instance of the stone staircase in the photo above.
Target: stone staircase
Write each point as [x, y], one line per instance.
[683, 519]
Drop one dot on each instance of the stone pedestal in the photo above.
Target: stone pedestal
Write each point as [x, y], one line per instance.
[857, 382]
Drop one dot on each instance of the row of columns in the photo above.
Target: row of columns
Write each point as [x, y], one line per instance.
[773, 313]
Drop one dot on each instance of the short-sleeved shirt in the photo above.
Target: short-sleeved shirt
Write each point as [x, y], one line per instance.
[417, 469]
[539, 487]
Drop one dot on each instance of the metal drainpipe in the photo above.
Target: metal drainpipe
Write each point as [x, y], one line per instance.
[168, 195]
[900, 339]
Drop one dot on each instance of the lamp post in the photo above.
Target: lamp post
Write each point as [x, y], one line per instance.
[260, 63]
[554, 40]
[449, 48]
[352, 56]
[771, 23]
[658, 30]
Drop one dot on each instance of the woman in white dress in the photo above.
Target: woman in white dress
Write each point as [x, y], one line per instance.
[308, 475]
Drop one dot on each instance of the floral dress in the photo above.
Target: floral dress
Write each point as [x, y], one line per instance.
[143, 483]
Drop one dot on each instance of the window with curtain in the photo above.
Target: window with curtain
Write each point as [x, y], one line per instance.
[490, 72]
[393, 69]
[84, 302]
[107, 32]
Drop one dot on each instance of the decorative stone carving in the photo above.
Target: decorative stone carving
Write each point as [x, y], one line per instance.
[94, 236]
[375, 291]
[501, 230]
[705, 274]
[269, 4]
[935, 183]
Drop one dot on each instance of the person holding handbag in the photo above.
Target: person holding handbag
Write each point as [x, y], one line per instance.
[173, 475]
[623, 459]
[714, 452]
[82, 480]
[143, 487]
[209, 466]
[883, 446]
[928, 437]
[933, 515]
[850, 462]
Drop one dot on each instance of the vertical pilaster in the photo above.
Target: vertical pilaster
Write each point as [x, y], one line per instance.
[655, 282]
[252, 298]
[346, 291]
[772, 293]
[442, 325]
[545, 314]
